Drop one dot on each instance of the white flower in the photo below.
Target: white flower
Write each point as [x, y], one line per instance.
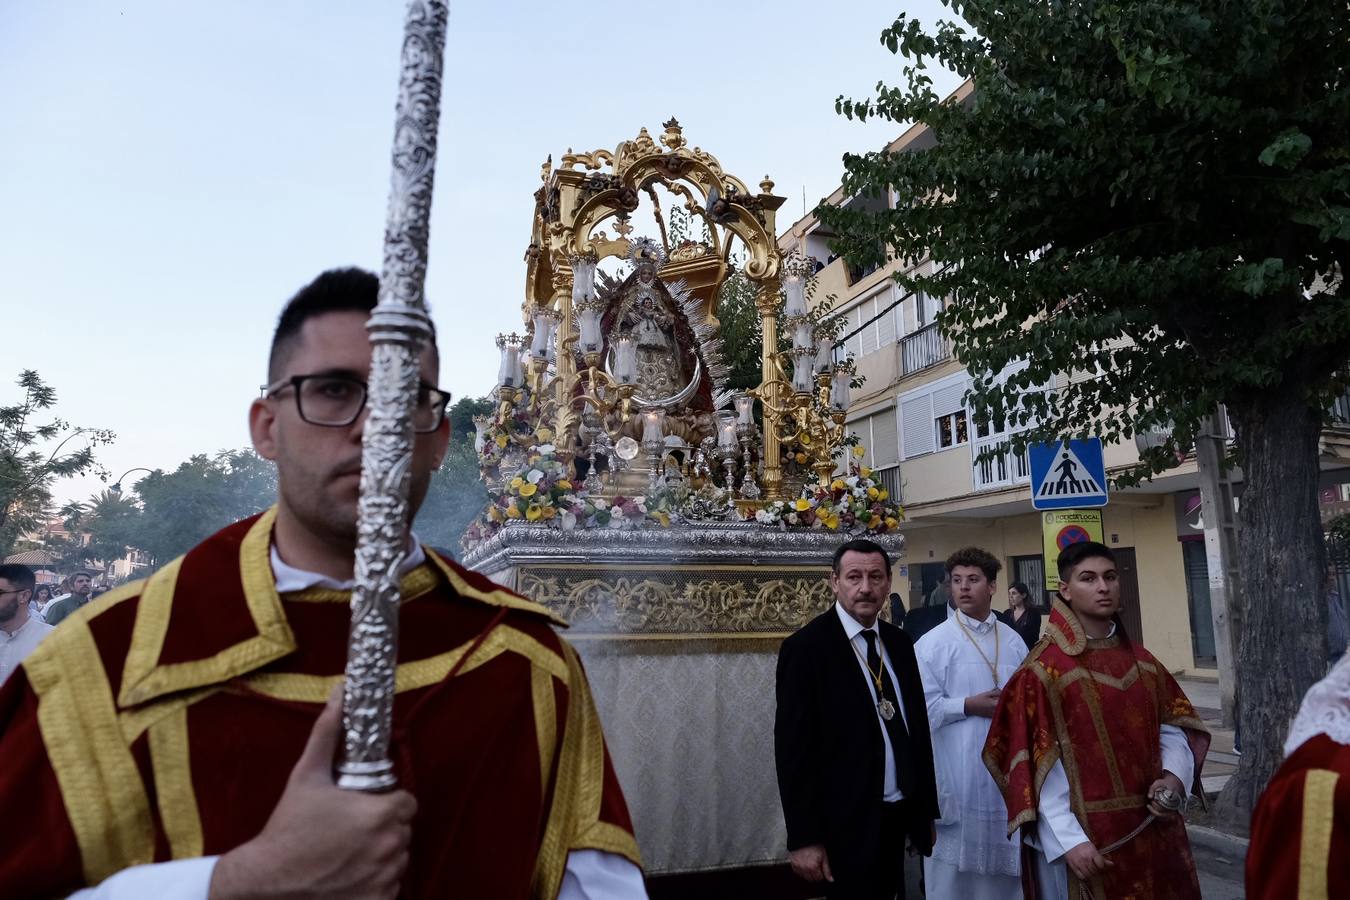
[544, 449]
[851, 481]
[600, 503]
[792, 518]
[616, 513]
[569, 521]
[534, 476]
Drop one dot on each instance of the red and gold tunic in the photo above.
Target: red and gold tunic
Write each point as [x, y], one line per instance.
[1300, 845]
[1097, 706]
[162, 723]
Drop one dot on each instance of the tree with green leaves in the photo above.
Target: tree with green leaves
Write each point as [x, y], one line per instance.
[200, 497]
[36, 450]
[1152, 197]
[111, 520]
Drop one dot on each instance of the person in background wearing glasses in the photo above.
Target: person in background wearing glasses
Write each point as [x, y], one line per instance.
[183, 720]
[20, 630]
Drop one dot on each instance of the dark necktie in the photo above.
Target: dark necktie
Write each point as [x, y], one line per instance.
[895, 727]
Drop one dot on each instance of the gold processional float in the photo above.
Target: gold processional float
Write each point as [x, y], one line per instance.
[636, 495]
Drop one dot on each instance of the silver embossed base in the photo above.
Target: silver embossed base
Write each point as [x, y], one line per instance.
[679, 630]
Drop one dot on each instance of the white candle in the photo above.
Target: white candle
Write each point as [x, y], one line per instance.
[588, 322]
[726, 434]
[653, 426]
[824, 354]
[801, 370]
[745, 408]
[625, 360]
[544, 322]
[583, 279]
[794, 286]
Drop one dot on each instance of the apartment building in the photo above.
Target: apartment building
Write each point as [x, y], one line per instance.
[921, 438]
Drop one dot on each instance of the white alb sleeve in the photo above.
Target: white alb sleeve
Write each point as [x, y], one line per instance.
[1057, 828]
[182, 879]
[597, 875]
[1177, 757]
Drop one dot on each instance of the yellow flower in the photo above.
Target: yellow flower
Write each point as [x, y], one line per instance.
[494, 514]
[501, 441]
[837, 485]
[804, 439]
[513, 512]
[517, 482]
[545, 434]
[832, 522]
[873, 493]
[859, 452]
[550, 512]
[891, 522]
[534, 513]
[885, 494]
[865, 472]
[874, 522]
[563, 483]
[802, 504]
[664, 518]
[528, 490]
[801, 458]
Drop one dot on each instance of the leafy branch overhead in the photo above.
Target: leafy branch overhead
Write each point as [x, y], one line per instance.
[36, 449]
[1152, 197]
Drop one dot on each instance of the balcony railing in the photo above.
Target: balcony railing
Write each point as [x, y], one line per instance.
[923, 348]
[1003, 469]
[1340, 410]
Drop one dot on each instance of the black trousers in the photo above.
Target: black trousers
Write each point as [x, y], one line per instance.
[883, 876]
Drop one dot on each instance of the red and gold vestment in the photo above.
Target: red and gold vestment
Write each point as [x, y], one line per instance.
[162, 723]
[1096, 706]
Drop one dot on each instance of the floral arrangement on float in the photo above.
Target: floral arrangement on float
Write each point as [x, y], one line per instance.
[541, 493]
[854, 504]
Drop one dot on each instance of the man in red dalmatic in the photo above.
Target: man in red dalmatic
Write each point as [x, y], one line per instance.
[1090, 739]
[1300, 838]
[172, 740]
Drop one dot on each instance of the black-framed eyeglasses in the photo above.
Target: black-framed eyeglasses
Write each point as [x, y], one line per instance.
[15, 591]
[335, 401]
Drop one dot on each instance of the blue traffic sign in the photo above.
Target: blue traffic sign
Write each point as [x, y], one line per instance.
[1067, 474]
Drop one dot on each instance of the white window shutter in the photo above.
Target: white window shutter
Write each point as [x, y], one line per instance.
[916, 425]
[885, 449]
[886, 324]
[866, 310]
[949, 398]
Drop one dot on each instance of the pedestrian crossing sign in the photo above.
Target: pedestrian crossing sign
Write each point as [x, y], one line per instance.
[1067, 474]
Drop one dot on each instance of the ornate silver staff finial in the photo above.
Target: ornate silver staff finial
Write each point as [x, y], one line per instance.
[399, 327]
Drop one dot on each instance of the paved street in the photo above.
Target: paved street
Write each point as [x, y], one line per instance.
[1218, 858]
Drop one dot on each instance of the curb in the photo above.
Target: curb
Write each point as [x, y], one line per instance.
[1218, 841]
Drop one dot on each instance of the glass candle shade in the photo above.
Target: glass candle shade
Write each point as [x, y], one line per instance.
[794, 289]
[654, 426]
[745, 409]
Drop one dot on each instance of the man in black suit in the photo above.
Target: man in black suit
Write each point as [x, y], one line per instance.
[855, 764]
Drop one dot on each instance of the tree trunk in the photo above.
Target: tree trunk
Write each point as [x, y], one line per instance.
[1282, 624]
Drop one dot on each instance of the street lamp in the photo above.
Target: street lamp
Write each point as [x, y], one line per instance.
[117, 485]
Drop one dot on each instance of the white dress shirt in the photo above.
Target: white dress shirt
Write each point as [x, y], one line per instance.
[853, 629]
[17, 645]
[589, 875]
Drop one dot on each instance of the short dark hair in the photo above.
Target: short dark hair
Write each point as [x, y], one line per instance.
[977, 557]
[18, 575]
[1073, 554]
[337, 290]
[859, 545]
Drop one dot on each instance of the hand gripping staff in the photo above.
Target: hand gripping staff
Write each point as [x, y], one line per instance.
[399, 327]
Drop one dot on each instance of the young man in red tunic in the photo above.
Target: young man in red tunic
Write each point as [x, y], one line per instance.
[1090, 739]
[1301, 828]
[172, 740]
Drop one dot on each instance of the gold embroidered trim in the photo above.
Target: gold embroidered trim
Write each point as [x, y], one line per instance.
[545, 723]
[419, 673]
[144, 678]
[134, 722]
[1119, 684]
[412, 585]
[1074, 641]
[172, 765]
[1319, 814]
[498, 597]
[104, 797]
[610, 839]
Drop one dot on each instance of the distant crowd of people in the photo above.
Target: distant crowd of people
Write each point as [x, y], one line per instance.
[29, 611]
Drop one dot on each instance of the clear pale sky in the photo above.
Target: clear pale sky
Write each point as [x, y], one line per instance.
[171, 172]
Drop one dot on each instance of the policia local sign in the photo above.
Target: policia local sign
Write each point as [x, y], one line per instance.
[1062, 527]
